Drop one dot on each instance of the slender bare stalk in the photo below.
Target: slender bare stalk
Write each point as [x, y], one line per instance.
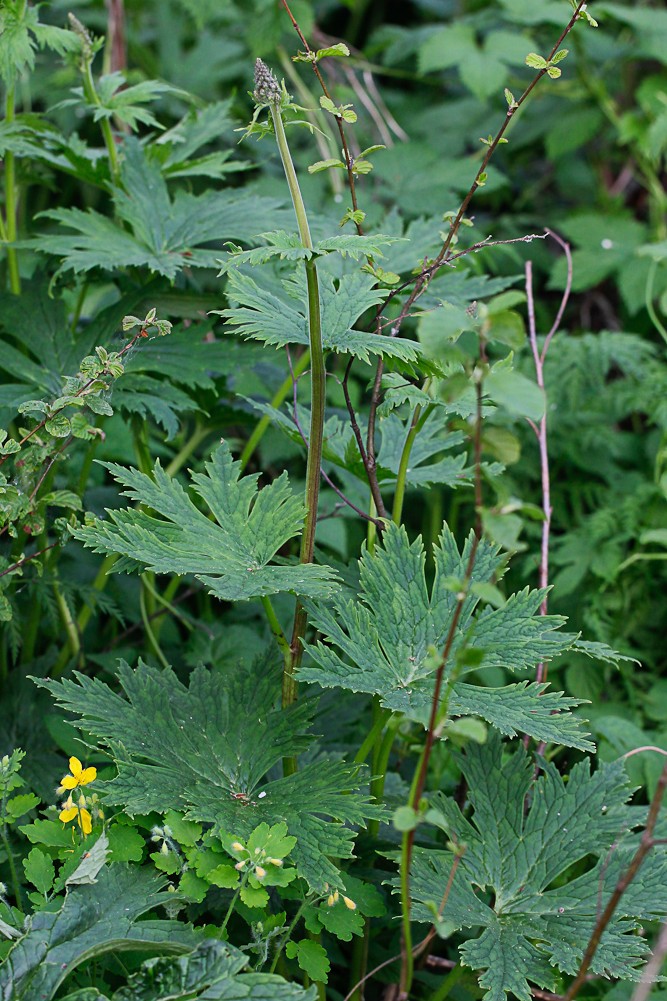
[444, 255]
[540, 430]
[420, 780]
[653, 967]
[646, 843]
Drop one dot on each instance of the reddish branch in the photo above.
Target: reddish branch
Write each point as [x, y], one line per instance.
[646, 843]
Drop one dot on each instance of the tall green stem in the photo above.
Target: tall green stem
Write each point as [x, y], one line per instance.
[105, 125]
[317, 405]
[399, 494]
[11, 201]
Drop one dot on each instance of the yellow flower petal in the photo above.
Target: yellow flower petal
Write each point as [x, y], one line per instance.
[75, 767]
[87, 775]
[85, 821]
[66, 815]
[69, 782]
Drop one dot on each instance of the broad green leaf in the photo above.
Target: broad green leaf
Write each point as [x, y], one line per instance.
[311, 957]
[525, 707]
[263, 315]
[231, 554]
[163, 234]
[515, 393]
[289, 247]
[207, 750]
[94, 919]
[381, 641]
[520, 843]
[433, 439]
[175, 149]
[91, 862]
[21, 33]
[213, 971]
[39, 870]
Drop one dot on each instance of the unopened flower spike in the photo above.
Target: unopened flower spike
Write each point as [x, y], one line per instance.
[267, 89]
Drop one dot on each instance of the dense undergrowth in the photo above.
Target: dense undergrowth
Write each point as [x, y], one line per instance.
[333, 514]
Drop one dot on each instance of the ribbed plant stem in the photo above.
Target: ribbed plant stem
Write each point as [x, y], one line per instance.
[11, 207]
[317, 408]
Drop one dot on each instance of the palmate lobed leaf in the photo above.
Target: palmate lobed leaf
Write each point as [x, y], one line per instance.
[230, 555]
[379, 642]
[540, 922]
[287, 246]
[263, 315]
[164, 233]
[206, 749]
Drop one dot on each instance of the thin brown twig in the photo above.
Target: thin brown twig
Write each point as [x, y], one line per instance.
[327, 479]
[540, 430]
[420, 947]
[27, 559]
[449, 641]
[646, 843]
[349, 161]
[443, 255]
[653, 967]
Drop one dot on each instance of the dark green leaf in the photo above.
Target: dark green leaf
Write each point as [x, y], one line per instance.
[230, 555]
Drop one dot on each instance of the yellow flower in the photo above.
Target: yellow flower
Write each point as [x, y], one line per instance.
[70, 812]
[80, 776]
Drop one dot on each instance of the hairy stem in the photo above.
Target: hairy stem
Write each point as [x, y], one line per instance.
[91, 94]
[444, 254]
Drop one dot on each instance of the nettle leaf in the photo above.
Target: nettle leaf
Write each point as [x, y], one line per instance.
[230, 554]
[206, 749]
[94, 919]
[379, 642]
[540, 921]
[164, 234]
[264, 315]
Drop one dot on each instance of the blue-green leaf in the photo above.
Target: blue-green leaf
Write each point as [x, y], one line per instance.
[230, 554]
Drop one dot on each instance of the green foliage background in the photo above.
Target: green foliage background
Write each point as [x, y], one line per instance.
[128, 202]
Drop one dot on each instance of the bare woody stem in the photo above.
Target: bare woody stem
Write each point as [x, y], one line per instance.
[419, 783]
[339, 121]
[541, 429]
[444, 256]
[645, 845]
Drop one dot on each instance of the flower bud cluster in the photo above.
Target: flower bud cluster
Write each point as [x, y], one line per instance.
[267, 89]
[255, 862]
[335, 896]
